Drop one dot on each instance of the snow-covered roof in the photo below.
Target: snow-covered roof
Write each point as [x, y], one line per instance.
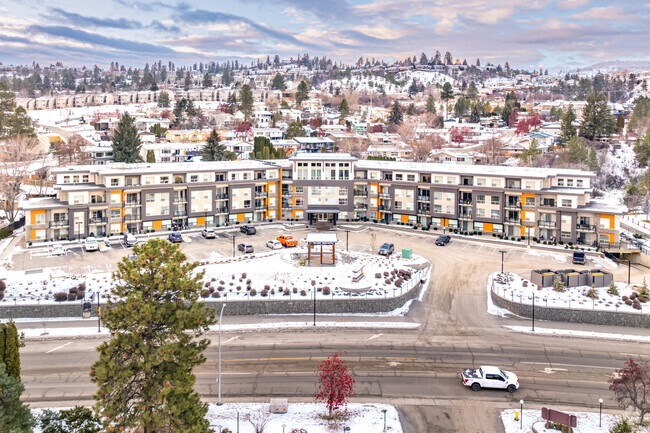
[321, 238]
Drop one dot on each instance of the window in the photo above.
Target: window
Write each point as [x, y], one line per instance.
[398, 205]
[437, 195]
[244, 176]
[437, 179]
[560, 182]
[66, 179]
[39, 218]
[148, 180]
[480, 181]
[299, 189]
[480, 199]
[566, 234]
[75, 179]
[115, 213]
[219, 177]
[398, 177]
[343, 201]
[530, 184]
[480, 212]
[410, 177]
[247, 204]
[495, 213]
[194, 178]
[569, 182]
[579, 183]
[343, 191]
[315, 190]
[437, 208]
[478, 226]
[450, 180]
[496, 183]
[495, 200]
[530, 201]
[84, 178]
[233, 176]
[164, 179]
[299, 201]
[115, 182]
[150, 198]
[450, 210]
[566, 202]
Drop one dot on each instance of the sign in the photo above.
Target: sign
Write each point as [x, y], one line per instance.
[558, 417]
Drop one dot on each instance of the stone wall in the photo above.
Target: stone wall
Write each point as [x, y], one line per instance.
[302, 305]
[593, 317]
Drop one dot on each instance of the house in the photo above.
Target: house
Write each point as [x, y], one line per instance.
[185, 135]
[315, 144]
[397, 151]
[241, 148]
[270, 133]
[263, 118]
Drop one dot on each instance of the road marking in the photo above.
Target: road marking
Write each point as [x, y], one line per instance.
[58, 347]
[231, 339]
[569, 365]
[308, 358]
[233, 373]
[551, 370]
[374, 336]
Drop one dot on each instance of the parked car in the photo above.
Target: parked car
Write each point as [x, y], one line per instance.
[489, 377]
[443, 240]
[249, 230]
[57, 250]
[91, 244]
[208, 233]
[245, 248]
[579, 257]
[175, 237]
[129, 240]
[274, 245]
[288, 241]
[386, 249]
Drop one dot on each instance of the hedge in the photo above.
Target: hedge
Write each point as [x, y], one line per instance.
[5, 232]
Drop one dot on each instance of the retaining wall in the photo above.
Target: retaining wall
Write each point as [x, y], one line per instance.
[301, 305]
[554, 314]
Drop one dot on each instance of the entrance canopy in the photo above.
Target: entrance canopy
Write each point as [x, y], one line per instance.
[323, 210]
[321, 238]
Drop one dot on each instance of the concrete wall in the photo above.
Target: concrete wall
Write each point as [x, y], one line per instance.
[302, 305]
[593, 317]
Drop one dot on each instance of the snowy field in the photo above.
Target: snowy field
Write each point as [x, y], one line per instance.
[571, 297]
[588, 422]
[300, 418]
[281, 274]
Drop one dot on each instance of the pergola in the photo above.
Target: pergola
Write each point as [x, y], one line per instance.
[321, 239]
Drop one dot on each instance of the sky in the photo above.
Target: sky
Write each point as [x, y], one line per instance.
[553, 34]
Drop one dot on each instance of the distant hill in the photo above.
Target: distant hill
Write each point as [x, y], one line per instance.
[613, 66]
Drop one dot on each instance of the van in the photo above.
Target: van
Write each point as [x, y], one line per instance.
[130, 240]
[579, 257]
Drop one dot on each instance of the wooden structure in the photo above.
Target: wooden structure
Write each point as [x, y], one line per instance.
[315, 239]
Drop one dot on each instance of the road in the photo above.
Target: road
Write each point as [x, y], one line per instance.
[414, 369]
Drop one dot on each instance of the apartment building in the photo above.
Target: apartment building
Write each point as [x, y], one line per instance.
[550, 204]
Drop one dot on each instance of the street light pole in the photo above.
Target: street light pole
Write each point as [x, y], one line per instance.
[521, 418]
[384, 411]
[314, 289]
[99, 313]
[233, 244]
[347, 239]
[629, 269]
[502, 253]
[78, 232]
[219, 378]
[533, 311]
[205, 220]
[600, 415]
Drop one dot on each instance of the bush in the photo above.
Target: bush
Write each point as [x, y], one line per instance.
[5, 232]
[628, 302]
[205, 293]
[72, 296]
[622, 426]
[326, 290]
[267, 287]
[286, 292]
[612, 289]
[3, 286]
[264, 292]
[303, 293]
[295, 290]
[216, 295]
[378, 275]
[252, 292]
[592, 293]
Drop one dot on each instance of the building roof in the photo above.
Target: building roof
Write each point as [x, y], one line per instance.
[302, 156]
[313, 140]
[118, 168]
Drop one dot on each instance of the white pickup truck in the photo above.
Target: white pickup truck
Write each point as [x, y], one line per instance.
[489, 377]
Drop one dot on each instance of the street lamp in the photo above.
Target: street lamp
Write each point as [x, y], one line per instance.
[600, 416]
[521, 418]
[219, 378]
[347, 239]
[533, 311]
[314, 289]
[99, 313]
[384, 412]
[283, 426]
[502, 253]
[78, 232]
[233, 244]
[205, 220]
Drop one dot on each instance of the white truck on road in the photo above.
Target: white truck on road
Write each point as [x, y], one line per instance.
[489, 377]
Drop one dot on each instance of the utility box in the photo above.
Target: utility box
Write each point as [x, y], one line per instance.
[407, 253]
[278, 405]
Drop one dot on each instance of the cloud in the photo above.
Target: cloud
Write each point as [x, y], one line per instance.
[158, 25]
[610, 13]
[571, 4]
[339, 10]
[82, 21]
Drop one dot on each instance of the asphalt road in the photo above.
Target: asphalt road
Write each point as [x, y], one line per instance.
[414, 369]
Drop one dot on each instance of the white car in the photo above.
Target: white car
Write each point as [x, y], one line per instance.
[57, 250]
[274, 244]
[92, 244]
[489, 377]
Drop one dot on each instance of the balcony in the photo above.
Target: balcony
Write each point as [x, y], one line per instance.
[546, 224]
[512, 221]
[513, 206]
[132, 203]
[424, 212]
[384, 208]
[221, 210]
[180, 200]
[261, 194]
[360, 193]
[585, 227]
[465, 202]
[59, 223]
[223, 197]
[98, 220]
[424, 198]
[465, 217]
[513, 186]
[131, 218]
[97, 200]
[260, 208]
[384, 195]
[547, 204]
[180, 213]
[361, 206]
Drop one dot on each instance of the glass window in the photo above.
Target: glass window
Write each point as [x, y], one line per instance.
[495, 213]
[164, 179]
[560, 182]
[566, 202]
[480, 199]
[579, 183]
[398, 177]
[495, 199]
[115, 182]
[530, 201]
[315, 190]
[480, 211]
[410, 177]
[437, 195]
[569, 182]
[437, 179]
[194, 178]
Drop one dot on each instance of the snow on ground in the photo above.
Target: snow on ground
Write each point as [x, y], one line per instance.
[88, 331]
[557, 257]
[281, 275]
[572, 297]
[581, 334]
[588, 422]
[300, 418]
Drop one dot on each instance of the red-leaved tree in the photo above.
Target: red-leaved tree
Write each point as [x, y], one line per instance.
[335, 383]
[631, 386]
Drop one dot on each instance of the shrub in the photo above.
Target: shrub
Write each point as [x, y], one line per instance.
[207, 284]
[238, 288]
[326, 290]
[636, 305]
[319, 289]
[622, 426]
[273, 291]
[3, 286]
[313, 282]
[214, 279]
[612, 289]
[220, 288]
[303, 293]
[205, 293]
[388, 281]
[267, 287]
[295, 290]
[378, 275]
[253, 292]
[628, 302]
[592, 293]
[558, 285]
[399, 282]
[264, 292]
[625, 298]
[72, 296]
[2, 295]
[243, 275]
[216, 295]
[286, 292]
[386, 273]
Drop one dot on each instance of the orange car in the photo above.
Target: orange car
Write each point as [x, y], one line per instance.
[288, 241]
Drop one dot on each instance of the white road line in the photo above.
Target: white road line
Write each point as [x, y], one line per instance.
[374, 336]
[227, 374]
[58, 347]
[569, 365]
[231, 339]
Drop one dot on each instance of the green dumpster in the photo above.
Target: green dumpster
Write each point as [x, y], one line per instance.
[407, 253]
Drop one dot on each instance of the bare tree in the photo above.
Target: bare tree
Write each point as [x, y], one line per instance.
[433, 120]
[71, 151]
[16, 154]
[492, 149]
[406, 131]
[258, 420]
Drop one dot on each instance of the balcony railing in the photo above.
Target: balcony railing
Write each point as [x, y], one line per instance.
[513, 186]
[132, 202]
[513, 205]
[424, 197]
[60, 223]
[547, 204]
[546, 224]
[465, 217]
[586, 227]
[260, 194]
[97, 200]
[180, 200]
[98, 220]
[465, 201]
[223, 197]
[180, 213]
[360, 193]
[385, 208]
[384, 195]
[259, 208]
[512, 221]
[222, 210]
[424, 212]
[129, 218]
[361, 206]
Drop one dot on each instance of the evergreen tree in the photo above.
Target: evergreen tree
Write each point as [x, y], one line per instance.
[413, 88]
[151, 157]
[188, 81]
[214, 150]
[597, 118]
[344, 109]
[472, 91]
[431, 105]
[533, 151]
[642, 150]
[11, 355]
[246, 100]
[461, 106]
[447, 92]
[505, 113]
[577, 151]
[158, 130]
[475, 116]
[145, 371]
[592, 160]
[14, 414]
[278, 83]
[302, 94]
[295, 129]
[126, 141]
[396, 116]
[410, 111]
[640, 115]
[207, 80]
[163, 100]
[567, 130]
[3, 342]
[13, 119]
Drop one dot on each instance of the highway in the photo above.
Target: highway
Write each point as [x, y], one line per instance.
[417, 370]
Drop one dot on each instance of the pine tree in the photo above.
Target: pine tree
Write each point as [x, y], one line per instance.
[475, 116]
[472, 91]
[396, 116]
[344, 109]
[592, 160]
[246, 100]
[188, 81]
[302, 94]
[145, 372]
[505, 113]
[163, 99]
[642, 150]
[278, 83]
[567, 130]
[11, 351]
[447, 92]
[126, 141]
[3, 342]
[295, 129]
[558, 285]
[14, 414]
[207, 80]
[577, 151]
[597, 118]
[431, 105]
[533, 151]
[151, 157]
[213, 150]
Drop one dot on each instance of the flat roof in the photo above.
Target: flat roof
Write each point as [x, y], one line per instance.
[321, 238]
[301, 156]
[118, 168]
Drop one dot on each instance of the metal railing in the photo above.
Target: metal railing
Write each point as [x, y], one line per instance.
[465, 201]
[59, 223]
[180, 213]
[586, 227]
[132, 203]
[98, 220]
[513, 205]
[512, 221]
[465, 217]
[546, 224]
[180, 200]
[424, 197]
[222, 197]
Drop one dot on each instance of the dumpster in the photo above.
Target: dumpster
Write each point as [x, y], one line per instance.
[407, 253]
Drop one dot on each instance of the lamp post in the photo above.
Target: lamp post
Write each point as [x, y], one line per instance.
[314, 289]
[99, 313]
[79, 231]
[502, 253]
[521, 418]
[528, 233]
[384, 412]
[629, 269]
[233, 244]
[347, 239]
[533, 311]
[600, 415]
[283, 426]
[205, 220]
[219, 378]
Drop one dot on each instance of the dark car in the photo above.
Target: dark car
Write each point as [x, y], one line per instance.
[249, 230]
[386, 249]
[175, 237]
[245, 248]
[443, 240]
[579, 257]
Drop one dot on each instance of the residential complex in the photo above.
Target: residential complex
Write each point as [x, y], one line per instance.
[550, 204]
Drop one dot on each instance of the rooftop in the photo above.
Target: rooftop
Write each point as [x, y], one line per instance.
[118, 168]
